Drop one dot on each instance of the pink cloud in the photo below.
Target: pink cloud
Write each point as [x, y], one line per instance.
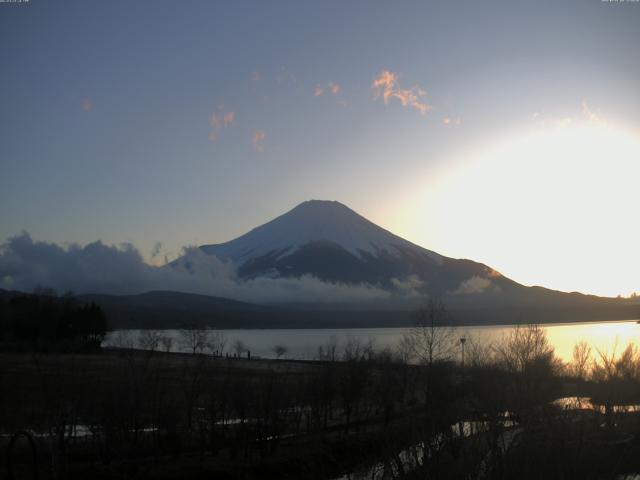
[215, 121]
[386, 86]
[218, 121]
[332, 87]
[385, 83]
[229, 118]
[335, 88]
[87, 105]
[257, 139]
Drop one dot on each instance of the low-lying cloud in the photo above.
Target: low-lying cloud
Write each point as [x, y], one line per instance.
[411, 286]
[98, 268]
[475, 284]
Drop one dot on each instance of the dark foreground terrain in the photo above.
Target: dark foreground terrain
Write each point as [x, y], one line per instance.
[145, 414]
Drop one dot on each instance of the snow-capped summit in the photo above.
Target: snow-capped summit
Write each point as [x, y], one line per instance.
[328, 240]
[315, 221]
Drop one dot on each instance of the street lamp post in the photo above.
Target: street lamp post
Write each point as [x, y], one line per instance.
[462, 342]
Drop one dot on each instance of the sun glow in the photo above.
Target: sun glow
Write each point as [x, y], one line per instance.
[557, 208]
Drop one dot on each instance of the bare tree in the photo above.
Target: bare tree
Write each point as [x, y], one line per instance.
[581, 357]
[404, 349]
[167, 343]
[358, 349]
[610, 367]
[628, 365]
[279, 350]
[432, 338]
[329, 351]
[122, 339]
[477, 352]
[528, 360]
[149, 340]
[217, 342]
[239, 347]
[194, 340]
[524, 347]
[612, 374]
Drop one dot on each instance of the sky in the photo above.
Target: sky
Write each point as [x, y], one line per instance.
[504, 132]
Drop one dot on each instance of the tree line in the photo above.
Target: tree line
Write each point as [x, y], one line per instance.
[46, 322]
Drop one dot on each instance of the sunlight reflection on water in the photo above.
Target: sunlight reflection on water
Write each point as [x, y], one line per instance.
[303, 343]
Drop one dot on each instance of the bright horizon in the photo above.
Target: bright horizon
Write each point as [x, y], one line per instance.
[184, 125]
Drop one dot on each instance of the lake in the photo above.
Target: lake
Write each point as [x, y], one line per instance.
[304, 343]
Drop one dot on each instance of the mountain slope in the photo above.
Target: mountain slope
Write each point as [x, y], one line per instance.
[332, 242]
[310, 222]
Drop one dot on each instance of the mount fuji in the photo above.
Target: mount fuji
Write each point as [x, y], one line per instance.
[328, 240]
